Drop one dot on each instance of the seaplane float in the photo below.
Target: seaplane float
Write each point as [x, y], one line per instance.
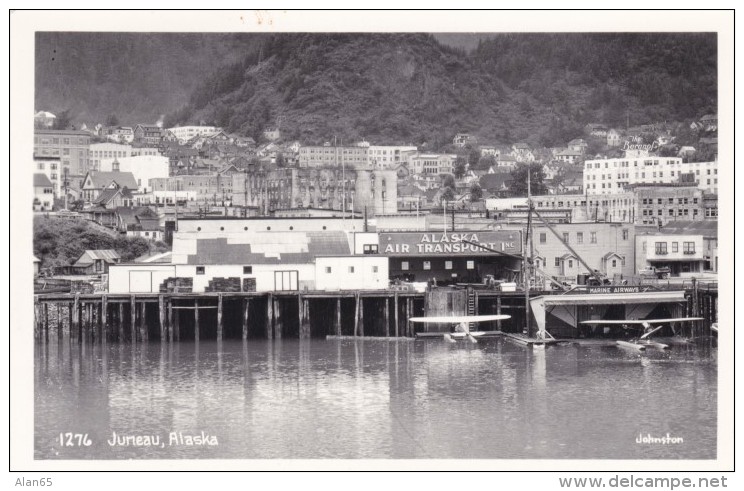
[460, 326]
[649, 327]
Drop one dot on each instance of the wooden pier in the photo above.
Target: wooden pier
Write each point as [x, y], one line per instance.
[144, 317]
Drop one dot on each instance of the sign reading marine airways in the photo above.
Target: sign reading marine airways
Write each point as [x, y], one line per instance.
[449, 244]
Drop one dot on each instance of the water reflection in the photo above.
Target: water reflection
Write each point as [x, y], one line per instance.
[374, 399]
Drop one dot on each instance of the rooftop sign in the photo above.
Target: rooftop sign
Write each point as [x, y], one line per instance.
[451, 243]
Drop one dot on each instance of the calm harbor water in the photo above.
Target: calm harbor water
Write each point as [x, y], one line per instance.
[373, 399]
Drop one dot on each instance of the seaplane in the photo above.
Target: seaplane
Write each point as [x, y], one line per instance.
[649, 327]
[461, 326]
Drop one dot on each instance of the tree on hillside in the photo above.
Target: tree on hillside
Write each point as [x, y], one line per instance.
[473, 158]
[448, 181]
[518, 186]
[112, 120]
[63, 120]
[485, 162]
[448, 194]
[476, 192]
[460, 167]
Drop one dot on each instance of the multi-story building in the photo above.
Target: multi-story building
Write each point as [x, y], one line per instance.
[52, 168]
[148, 134]
[608, 176]
[619, 208]
[186, 133]
[372, 191]
[658, 205]
[72, 147]
[145, 150]
[107, 151]
[606, 247]
[686, 248]
[333, 156]
[431, 164]
[388, 156]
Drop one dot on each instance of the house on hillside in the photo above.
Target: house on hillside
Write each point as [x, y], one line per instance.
[96, 182]
[578, 145]
[495, 184]
[149, 134]
[462, 139]
[595, 129]
[569, 156]
[613, 138]
[96, 261]
[43, 193]
[709, 122]
[522, 153]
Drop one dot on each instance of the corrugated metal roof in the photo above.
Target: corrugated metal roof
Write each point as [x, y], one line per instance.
[108, 255]
[271, 248]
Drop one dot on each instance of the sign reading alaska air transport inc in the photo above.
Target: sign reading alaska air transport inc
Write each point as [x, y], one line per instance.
[451, 243]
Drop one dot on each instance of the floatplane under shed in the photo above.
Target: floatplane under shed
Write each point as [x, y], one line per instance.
[566, 307]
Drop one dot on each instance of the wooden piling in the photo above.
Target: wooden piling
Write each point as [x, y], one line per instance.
[76, 317]
[361, 316]
[170, 319]
[303, 316]
[177, 325]
[356, 314]
[104, 317]
[59, 322]
[387, 317]
[196, 319]
[120, 322]
[219, 317]
[409, 309]
[246, 303]
[70, 317]
[133, 318]
[144, 336]
[269, 316]
[278, 320]
[161, 317]
[338, 316]
[498, 311]
[395, 306]
[46, 322]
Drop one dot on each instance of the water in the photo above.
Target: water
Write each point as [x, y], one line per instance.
[375, 399]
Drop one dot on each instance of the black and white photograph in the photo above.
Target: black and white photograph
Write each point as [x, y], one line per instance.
[288, 237]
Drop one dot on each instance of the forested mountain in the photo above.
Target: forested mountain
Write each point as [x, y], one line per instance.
[134, 76]
[405, 88]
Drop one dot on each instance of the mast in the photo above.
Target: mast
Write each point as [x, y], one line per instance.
[525, 261]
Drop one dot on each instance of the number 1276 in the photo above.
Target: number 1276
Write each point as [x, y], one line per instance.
[74, 440]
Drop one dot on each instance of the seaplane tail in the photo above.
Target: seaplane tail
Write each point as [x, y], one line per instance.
[650, 326]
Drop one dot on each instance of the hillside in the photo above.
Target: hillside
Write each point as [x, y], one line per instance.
[397, 88]
[136, 77]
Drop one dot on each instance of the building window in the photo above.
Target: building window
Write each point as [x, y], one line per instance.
[557, 262]
[570, 263]
[579, 237]
[404, 265]
[328, 270]
[661, 248]
[200, 270]
[543, 237]
[565, 237]
[688, 248]
[471, 265]
[675, 246]
[614, 263]
[593, 237]
[448, 265]
[370, 248]
[247, 269]
[427, 265]
[625, 234]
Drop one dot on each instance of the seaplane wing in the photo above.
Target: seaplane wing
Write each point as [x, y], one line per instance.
[460, 319]
[643, 321]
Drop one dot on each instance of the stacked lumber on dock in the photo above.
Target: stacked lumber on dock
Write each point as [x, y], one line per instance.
[230, 285]
[177, 285]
